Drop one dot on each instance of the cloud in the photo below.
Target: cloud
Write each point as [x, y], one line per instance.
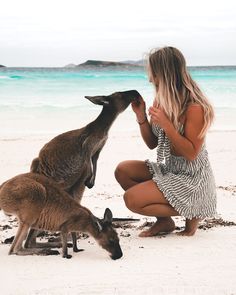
[121, 29]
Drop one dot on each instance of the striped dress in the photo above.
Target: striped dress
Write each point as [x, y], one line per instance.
[189, 186]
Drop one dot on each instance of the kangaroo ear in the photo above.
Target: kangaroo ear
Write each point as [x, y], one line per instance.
[107, 216]
[101, 100]
[98, 224]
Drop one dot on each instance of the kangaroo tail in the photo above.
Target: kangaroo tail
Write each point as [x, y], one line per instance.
[125, 219]
[35, 166]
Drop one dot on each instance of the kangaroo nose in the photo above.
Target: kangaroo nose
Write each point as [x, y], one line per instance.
[132, 95]
[117, 255]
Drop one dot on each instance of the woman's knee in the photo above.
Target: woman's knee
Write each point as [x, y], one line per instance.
[130, 200]
[121, 171]
[134, 169]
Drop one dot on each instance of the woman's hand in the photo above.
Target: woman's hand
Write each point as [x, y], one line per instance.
[139, 107]
[159, 117]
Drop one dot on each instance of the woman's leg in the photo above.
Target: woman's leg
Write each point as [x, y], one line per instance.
[134, 174]
[191, 225]
[145, 198]
[130, 173]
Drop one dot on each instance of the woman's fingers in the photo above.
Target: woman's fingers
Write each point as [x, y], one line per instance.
[153, 111]
[139, 106]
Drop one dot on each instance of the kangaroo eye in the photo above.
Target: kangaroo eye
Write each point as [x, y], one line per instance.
[111, 241]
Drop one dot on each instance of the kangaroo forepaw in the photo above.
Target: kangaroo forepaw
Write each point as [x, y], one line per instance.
[89, 182]
[77, 250]
[68, 256]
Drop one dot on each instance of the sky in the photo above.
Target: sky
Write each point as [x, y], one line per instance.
[56, 33]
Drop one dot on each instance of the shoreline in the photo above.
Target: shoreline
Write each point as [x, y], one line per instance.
[40, 124]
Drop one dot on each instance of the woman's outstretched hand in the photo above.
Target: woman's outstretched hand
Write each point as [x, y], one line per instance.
[159, 117]
[139, 107]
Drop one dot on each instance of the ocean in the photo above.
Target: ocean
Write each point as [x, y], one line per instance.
[36, 101]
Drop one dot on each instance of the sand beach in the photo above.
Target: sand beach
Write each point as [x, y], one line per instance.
[167, 264]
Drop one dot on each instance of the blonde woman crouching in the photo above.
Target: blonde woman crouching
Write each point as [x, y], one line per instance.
[181, 181]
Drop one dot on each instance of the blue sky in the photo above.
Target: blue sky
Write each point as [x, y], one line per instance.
[55, 33]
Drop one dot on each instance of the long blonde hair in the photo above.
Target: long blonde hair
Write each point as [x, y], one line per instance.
[175, 89]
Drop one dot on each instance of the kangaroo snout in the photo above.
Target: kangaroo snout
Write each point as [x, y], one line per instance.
[107, 236]
[117, 254]
[132, 95]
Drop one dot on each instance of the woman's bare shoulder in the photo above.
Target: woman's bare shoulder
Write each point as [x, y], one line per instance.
[194, 107]
[195, 112]
[190, 111]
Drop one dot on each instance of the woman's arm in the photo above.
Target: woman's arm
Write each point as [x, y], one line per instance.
[146, 131]
[145, 127]
[190, 144]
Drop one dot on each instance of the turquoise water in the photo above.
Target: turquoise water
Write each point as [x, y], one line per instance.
[33, 95]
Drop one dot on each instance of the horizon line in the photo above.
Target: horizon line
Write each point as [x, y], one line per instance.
[77, 66]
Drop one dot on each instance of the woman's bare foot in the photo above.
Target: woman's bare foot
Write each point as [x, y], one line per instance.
[191, 226]
[163, 224]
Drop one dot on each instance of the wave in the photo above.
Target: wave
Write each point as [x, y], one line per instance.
[5, 77]
[47, 108]
[62, 74]
[12, 77]
[16, 77]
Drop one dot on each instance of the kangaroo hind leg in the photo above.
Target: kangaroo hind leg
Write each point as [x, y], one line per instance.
[32, 243]
[17, 245]
[64, 236]
[20, 236]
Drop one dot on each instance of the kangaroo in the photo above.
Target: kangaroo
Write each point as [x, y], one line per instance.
[70, 158]
[39, 203]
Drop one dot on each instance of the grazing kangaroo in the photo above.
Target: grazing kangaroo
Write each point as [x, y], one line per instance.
[70, 158]
[39, 203]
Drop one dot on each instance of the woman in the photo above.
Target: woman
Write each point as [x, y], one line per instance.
[180, 182]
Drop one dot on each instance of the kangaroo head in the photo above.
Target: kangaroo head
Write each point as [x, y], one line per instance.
[117, 101]
[107, 237]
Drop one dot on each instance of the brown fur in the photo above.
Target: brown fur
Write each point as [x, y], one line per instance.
[39, 203]
[71, 158]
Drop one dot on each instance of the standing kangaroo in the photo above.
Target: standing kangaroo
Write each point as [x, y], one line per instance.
[70, 158]
[39, 203]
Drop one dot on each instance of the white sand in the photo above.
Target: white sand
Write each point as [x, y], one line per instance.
[202, 264]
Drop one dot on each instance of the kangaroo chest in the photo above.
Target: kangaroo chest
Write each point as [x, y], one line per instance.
[93, 144]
